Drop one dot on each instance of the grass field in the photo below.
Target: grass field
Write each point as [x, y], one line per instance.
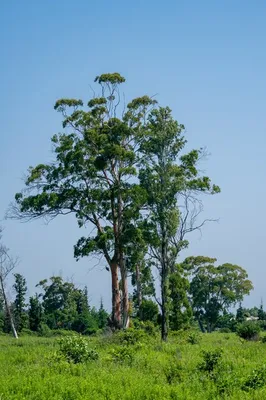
[145, 371]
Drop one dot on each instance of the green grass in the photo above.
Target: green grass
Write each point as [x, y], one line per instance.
[153, 370]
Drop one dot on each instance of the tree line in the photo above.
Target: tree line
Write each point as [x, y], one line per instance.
[123, 169]
[200, 293]
[59, 305]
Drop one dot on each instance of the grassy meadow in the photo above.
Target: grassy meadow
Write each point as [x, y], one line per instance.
[147, 370]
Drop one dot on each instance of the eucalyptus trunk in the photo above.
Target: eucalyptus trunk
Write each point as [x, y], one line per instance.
[138, 286]
[116, 299]
[124, 287]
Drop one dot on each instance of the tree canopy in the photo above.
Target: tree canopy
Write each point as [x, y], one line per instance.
[214, 289]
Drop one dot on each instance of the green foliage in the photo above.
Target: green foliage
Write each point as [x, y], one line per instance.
[214, 289]
[20, 315]
[181, 311]
[27, 332]
[114, 78]
[194, 338]
[35, 313]
[153, 371]
[76, 349]
[227, 322]
[173, 373]
[211, 360]
[65, 307]
[93, 176]
[122, 355]
[102, 317]
[261, 313]
[249, 330]
[149, 328]
[59, 302]
[141, 278]
[256, 380]
[126, 174]
[130, 336]
[167, 176]
[148, 311]
[44, 330]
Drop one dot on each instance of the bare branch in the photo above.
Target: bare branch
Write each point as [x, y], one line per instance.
[191, 209]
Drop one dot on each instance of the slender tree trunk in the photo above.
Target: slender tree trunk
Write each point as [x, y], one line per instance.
[8, 311]
[116, 301]
[124, 287]
[164, 307]
[164, 286]
[201, 326]
[138, 284]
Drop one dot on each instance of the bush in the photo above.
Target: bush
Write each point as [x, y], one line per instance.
[173, 373]
[76, 349]
[211, 359]
[225, 330]
[27, 332]
[62, 332]
[91, 331]
[122, 355]
[149, 328]
[248, 330]
[148, 311]
[256, 379]
[44, 330]
[194, 338]
[130, 336]
[262, 325]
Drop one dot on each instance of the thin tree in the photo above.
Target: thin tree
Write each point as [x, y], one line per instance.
[7, 264]
[169, 176]
[20, 314]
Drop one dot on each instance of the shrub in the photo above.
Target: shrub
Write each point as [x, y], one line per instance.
[62, 332]
[76, 349]
[194, 338]
[91, 331]
[225, 330]
[211, 359]
[130, 336]
[148, 311]
[44, 330]
[173, 373]
[122, 355]
[256, 379]
[149, 328]
[248, 330]
[263, 339]
[27, 332]
[262, 325]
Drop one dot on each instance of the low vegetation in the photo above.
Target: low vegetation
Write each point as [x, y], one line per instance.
[132, 366]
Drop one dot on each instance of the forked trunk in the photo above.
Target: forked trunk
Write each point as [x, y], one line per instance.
[116, 301]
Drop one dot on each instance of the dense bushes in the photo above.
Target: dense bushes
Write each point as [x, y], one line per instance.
[76, 349]
[249, 330]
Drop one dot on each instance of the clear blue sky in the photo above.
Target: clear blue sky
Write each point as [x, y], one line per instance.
[205, 59]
